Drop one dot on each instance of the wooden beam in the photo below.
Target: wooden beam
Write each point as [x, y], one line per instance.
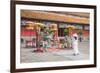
[54, 16]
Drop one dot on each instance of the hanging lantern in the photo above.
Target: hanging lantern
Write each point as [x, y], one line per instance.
[53, 27]
[38, 26]
[70, 29]
[30, 25]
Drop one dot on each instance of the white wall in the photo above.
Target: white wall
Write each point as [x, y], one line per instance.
[5, 36]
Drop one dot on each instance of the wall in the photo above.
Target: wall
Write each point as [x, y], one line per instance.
[5, 36]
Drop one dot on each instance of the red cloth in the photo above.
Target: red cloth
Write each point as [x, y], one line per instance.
[28, 33]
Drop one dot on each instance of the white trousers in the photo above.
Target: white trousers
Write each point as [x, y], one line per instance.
[75, 48]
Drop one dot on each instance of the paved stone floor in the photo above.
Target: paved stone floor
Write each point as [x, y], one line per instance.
[28, 56]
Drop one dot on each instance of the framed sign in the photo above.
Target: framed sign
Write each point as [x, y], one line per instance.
[52, 36]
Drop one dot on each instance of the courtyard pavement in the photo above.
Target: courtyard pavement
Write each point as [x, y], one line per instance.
[28, 56]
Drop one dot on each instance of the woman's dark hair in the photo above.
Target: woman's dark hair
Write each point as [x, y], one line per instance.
[75, 38]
